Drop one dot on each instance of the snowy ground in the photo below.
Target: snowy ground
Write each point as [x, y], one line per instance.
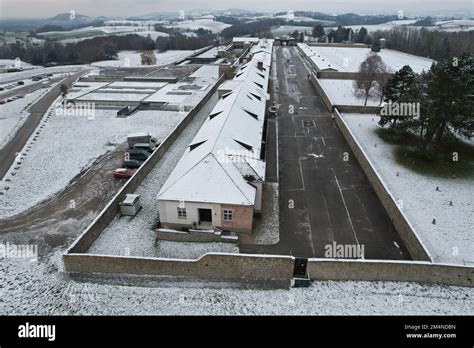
[287, 29]
[41, 288]
[450, 240]
[136, 235]
[349, 59]
[12, 63]
[85, 33]
[206, 24]
[342, 92]
[132, 59]
[33, 72]
[266, 227]
[67, 145]
[13, 114]
[153, 35]
[384, 26]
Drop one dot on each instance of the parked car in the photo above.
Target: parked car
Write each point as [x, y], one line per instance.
[2, 89]
[148, 147]
[138, 154]
[2, 102]
[21, 83]
[123, 173]
[132, 164]
[36, 78]
[142, 138]
[16, 97]
[10, 100]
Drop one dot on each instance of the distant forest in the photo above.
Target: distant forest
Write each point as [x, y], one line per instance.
[101, 48]
[82, 52]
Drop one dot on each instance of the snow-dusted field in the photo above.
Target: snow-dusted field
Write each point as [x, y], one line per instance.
[287, 29]
[106, 29]
[63, 69]
[349, 59]
[384, 26]
[39, 288]
[206, 24]
[132, 59]
[153, 34]
[12, 63]
[13, 114]
[175, 93]
[342, 92]
[451, 239]
[69, 144]
[136, 235]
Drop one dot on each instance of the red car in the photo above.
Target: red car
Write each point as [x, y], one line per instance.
[123, 173]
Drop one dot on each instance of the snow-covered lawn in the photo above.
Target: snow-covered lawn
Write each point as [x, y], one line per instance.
[136, 235]
[342, 92]
[451, 239]
[133, 59]
[13, 114]
[349, 58]
[206, 24]
[39, 288]
[69, 144]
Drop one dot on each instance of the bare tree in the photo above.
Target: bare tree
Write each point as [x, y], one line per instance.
[382, 80]
[148, 57]
[369, 74]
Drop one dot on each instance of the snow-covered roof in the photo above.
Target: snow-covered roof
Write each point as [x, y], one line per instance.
[246, 39]
[224, 156]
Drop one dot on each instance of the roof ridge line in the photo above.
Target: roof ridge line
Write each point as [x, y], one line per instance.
[235, 184]
[184, 174]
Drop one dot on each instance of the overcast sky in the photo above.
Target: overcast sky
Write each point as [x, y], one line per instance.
[114, 8]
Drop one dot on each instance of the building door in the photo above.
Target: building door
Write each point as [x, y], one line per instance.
[205, 216]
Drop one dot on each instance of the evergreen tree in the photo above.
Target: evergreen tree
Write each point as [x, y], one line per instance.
[402, 87]
[318, 31]
[362, 35]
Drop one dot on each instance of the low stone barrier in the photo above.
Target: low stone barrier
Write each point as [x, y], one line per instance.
[324, 97]
[211, 265]
[358, 109]
[399, 271]
[191, 236]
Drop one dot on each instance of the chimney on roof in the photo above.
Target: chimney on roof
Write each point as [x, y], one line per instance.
[260, 65]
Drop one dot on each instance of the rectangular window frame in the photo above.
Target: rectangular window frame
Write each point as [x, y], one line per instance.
[228, 214]
[182, 214]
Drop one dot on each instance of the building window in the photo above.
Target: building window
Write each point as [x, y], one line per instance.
[181, 213]
[228, 215]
